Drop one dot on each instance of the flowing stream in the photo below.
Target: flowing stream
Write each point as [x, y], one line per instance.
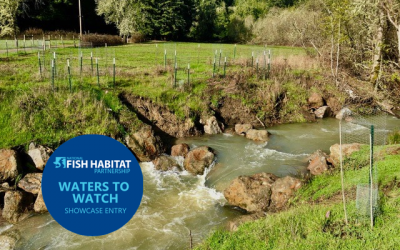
[174, 203]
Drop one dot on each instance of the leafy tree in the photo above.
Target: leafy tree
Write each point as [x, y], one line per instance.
[8, 16]
[203, 27]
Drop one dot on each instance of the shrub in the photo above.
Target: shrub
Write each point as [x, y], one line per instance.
[137, 38]
[99, 40]
[394, 138]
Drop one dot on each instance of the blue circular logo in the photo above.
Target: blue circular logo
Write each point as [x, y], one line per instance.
[92, 185]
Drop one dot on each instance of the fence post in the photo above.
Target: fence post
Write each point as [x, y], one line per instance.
[225, 67]
[165, 59]
[252, 59]
[81, 63]
[69, 76]
[371, 175]
[220, 55]
[114, 72]
[40, 65]
[265, 64]
[91, 61]
[16, 43]
[188, 74]
[213, 74]
[257, 67]
[24, 44]
[98, 75]
[73, 37]
[52, 74]
[176, 73]
[55, 63]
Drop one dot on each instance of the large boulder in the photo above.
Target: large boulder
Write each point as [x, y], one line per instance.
[318, 163]
[144, 144]
[40, 155]
[166, 163]
[315, 100]
[343, 114]
[212, 126]
[198, 160]
[15, 204]
[241, 129]
[9, 239]
[9, 168]
[31, 183]
[282, 190]
[257, 135]
[180, 150]
[40, 206]
[347, 150]
[323, 112]
[252, 193]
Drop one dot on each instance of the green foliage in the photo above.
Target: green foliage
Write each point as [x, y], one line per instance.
[8, 15]
[394, 138]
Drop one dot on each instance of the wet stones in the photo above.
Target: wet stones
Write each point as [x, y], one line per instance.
[31, 183]
[198, 159]
[347, 150]
[323, 112]
[166, 163]
[315, 100]
[15, 204]
[257, 135]
[40, 206]
[144, 144]
[318, 163]
[241, 129]
[261, 192]
[343, 114]
[40, 155]
[282, 190]
[251, 193]
[9, 168]
[212, 126]
[9, 239]
[180, 150]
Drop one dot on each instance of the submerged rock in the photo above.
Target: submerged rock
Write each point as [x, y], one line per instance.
[282, 190]
[40, 206]
[318, 163]
[323, 112]
[31, 183]
[40, 155]
[144, 144]
[252, 193]
[15, 204]
[9, 239]
[257, 135]
[212, 126]
[180, 150]
[347, 150]
[9, 169]
[198, 160]
[166, 163]
[241, 129]
[315, 100]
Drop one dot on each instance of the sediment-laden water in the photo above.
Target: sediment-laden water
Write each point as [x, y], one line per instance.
[174, 203]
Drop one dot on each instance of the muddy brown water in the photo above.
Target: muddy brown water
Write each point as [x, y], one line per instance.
[174, 203]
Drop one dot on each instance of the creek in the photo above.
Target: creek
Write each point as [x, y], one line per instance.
[174, 203]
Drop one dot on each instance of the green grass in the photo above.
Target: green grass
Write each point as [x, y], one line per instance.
[140, 71]
[305, 226]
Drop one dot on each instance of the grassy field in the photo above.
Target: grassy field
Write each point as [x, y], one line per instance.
[306, 224]
[31, 108]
